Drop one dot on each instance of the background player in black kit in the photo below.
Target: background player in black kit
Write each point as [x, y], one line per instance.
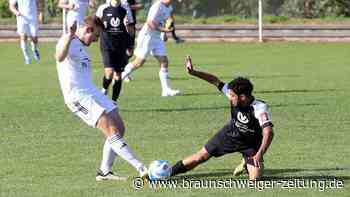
[113, 44]
[249, 131]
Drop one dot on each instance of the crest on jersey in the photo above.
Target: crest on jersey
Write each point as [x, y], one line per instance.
[242, 118]
[115, 22]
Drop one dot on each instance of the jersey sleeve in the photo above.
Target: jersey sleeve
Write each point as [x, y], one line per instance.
[262, 113]
[126, 6]
[99, 12]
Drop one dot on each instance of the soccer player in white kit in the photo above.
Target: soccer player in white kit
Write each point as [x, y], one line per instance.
[84, 99]
[149, 42]
[76, 9]
[26, 12]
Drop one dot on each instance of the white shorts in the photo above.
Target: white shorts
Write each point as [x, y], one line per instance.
[147, 44]
[27, 26]
[72, 18]
[90, 108]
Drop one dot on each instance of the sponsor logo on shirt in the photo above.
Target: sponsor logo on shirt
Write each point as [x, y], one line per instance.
[115, 22]
[242, 118]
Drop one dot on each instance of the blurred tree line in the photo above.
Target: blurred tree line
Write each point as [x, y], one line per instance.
[241, 8]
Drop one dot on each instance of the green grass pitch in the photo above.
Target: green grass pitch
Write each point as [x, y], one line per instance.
[47, 151]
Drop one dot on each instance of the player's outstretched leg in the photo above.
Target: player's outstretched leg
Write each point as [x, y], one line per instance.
[105, 172]
[164, 77]
[190, 162]
[35, 49]
[129, 68]
[24, 48]
[113, 128]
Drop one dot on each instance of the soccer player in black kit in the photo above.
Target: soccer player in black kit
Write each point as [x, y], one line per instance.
[249, 131]
[113, 44]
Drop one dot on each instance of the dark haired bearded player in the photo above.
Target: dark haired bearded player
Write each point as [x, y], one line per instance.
[249, 131]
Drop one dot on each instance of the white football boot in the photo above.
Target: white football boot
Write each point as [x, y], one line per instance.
[110, 176]
[170, 92]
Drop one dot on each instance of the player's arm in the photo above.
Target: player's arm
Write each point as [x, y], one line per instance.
[154, 25]
[210, 78]
[266, 141]
[62, 50]
[13, 8]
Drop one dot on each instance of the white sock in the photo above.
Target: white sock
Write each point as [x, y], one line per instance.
[34, 46]
[120, 147]
[127, 70]
[164, 78]
[24, 49]
[108, 157]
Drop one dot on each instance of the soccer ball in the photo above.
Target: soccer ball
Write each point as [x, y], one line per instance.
[159, 170]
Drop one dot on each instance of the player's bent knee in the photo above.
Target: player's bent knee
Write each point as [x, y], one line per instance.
[138, 63]
[254, 172]
[109, 72]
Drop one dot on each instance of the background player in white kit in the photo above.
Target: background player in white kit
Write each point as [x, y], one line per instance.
[149, 42]
[84, 99]
[76, 9]
[26, 12]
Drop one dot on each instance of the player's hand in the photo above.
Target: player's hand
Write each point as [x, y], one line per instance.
[189, 65]
[19, 14]
[72, 29]
[257, 159]
[126, 21]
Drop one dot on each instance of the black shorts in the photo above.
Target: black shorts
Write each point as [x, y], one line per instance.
[116, 59]
[227, 140]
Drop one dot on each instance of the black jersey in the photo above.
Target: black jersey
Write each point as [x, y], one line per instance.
[251, 120]
[114, 34]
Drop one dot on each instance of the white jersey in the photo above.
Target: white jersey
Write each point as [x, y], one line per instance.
[74, 73]
[28, 9]
[79, 11]
[158, 13]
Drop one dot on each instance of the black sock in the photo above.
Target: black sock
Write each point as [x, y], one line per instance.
[178, 168]
[174, 35]
[117, 87]
[106, 82]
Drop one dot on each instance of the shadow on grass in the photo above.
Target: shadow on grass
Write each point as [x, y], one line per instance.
[270, 174]
[177, 110]
[268, 92]
[209, 108]
[295, 91]
[224, 78]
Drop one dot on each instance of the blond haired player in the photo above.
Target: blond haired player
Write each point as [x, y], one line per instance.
[84, 99]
